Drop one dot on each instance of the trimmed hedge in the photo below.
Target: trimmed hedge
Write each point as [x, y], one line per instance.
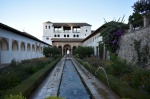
[121, 88]
[30, 84]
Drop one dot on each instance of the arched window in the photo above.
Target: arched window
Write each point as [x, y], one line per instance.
[55, 35]
[68, 35]
[33, 47]
[49, 27]
[28, 47]
[45, 27]
[22, 46]
[74, 35]
[15, 46]
[4, 44]
[64, 35]
[58, 35]
[77, 35]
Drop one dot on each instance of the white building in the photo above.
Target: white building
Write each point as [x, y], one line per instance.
[65, 31]
[18, 45]
[93, 41]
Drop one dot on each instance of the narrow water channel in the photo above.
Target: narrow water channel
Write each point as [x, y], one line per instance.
[71, 86]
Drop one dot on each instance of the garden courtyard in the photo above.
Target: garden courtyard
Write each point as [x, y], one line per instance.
[119, 67]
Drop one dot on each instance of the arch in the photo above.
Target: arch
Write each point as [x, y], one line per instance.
[38, 49]
[15, 45]
[28, 47]
[33, 47]
[4, 44]
[66, 47]
[22, 46]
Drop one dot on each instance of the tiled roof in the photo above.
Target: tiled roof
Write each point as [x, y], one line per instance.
[3, 26]
[66, 40]
[69, 24]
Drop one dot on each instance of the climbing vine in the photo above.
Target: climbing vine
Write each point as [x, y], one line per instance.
[142, 53]
[112, 34]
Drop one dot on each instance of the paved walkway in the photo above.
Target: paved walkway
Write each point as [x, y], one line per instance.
[51, 84]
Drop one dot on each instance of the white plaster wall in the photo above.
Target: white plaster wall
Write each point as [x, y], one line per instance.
[15, 55]
[93, 42]
[4, 57]
[7, 56]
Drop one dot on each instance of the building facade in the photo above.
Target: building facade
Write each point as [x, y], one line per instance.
[66, 36]
[93, 41]
[18, 45]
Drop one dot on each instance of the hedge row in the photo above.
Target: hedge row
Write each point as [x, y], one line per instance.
[29, 85]
[121, 88]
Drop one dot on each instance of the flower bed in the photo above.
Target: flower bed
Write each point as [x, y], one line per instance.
[14, 77]
[118, 84]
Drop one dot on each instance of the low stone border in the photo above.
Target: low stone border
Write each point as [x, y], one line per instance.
[30, 84]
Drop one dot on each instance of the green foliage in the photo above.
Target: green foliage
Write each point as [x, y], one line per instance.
[15, 73]
[141, 79]
[84, 51]
[142, 53]
[51, 51]
[101, 48]
[20, 96]
[133, 76]
[112, 33]
[54, 97]
[142, 7]
[118, 66]
[96, 61]
[118, 86]
[27, 86]
[136, 20]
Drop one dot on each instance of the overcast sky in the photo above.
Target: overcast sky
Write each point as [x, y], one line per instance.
[29, 15]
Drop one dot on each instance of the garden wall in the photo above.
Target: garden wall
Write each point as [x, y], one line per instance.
[127, 50]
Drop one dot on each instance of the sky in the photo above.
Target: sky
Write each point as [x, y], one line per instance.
[29, 15]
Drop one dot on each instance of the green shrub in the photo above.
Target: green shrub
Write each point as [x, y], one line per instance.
[16, 72]
[15, 96]
[27, 86]
[54, 97]
[118, 86]
[118, 67]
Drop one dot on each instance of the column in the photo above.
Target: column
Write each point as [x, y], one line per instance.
[130, 27]
[71, 29]
[10, 49]
[19, 50]
[62, 29]
[146, 20]
[26, 54]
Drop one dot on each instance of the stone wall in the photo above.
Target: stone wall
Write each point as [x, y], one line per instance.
[127, 50]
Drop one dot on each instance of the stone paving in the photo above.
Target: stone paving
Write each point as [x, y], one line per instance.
[51, 84]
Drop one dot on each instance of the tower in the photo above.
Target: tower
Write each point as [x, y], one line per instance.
[47, 32]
